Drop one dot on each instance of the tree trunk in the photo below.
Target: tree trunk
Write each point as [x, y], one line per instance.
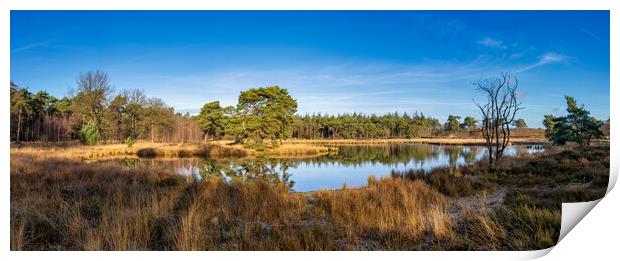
[19, 123]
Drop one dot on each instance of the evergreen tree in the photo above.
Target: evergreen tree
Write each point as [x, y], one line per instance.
[549, 123]
[520, 123]
[452, 124]
[89, 135]
[578, 126]
[211, 119]
[469, 123]
[266, 114]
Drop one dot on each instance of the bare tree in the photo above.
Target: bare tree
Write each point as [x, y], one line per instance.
[135, 106]
[93, 91]
[498, 113]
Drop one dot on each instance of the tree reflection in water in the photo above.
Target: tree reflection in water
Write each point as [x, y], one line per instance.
[351, 162]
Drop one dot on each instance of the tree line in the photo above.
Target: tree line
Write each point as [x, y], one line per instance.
[262, 118]
[219, 122]
[361, 126]
[115, 116]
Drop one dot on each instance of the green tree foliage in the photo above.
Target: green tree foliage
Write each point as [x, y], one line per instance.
[35, 115]
[93, 90]
[469, 123]
[360, 126]
[453, 124]
[578, 126]
[606, 129]
[520, 123]
[134, 112]
[129, 141]
[212, 120]
[115, 116]
[89, 134]
[265, 114]
[40, 116]
[20, 109]
[157, 117]
[549, 123]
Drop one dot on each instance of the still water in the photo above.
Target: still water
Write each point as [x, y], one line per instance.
[351, 166]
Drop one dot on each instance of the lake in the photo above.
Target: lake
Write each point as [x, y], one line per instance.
[351, 165]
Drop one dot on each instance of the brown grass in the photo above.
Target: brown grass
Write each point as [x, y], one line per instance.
[62, 204]
[437, 141]
[145, 149]
[223, 148]
[391, 213]
[65, 204]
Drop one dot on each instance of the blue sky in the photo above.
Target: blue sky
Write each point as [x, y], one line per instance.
[330, 61]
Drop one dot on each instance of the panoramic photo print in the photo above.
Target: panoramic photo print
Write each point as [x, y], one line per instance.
[304, 130]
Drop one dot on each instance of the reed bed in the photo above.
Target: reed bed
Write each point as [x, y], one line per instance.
[144, 149]
[62, 203]
[436, 141]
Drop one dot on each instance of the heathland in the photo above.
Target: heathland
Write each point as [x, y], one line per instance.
[66, 204]
[67, 195]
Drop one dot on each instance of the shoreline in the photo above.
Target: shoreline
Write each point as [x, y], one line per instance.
[151, 150]
[225, 148]
[433, 141]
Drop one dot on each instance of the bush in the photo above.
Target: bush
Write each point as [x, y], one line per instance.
[445, 182]
[129, 141]
[89, 134]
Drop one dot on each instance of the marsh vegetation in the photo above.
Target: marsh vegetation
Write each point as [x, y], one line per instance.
[126, 172]
[71, 205]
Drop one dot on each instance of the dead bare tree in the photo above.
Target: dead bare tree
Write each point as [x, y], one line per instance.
[498, 113]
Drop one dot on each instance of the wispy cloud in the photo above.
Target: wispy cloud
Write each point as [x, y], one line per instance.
[592, 35]
[31, 46]
[343, 87]
[517, 55]
[548, 58]
[490, 42]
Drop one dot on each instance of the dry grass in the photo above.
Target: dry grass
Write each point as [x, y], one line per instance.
[301, 149]
[145, 149]
[522, 228]
[391, 213]
[437, 141]
[223, 148]
[63, 204]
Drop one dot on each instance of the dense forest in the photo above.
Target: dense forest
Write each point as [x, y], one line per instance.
[356, 126]
[129, 113]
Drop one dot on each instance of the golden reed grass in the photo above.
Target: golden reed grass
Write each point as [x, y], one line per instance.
[437, 141]
[63, 203]
[145, 149]
[67, 205]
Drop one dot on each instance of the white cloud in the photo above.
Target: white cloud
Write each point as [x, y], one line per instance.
[490, 42]
[548, 58]
[553, 58]
[31, 46]
[342, 87]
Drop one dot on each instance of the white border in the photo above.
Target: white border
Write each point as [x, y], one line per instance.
[588, 238]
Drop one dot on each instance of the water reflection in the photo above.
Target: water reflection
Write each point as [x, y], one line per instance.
[352, 165]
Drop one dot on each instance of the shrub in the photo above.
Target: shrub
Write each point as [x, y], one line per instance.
[443, 181]
[89, 134]
[129, 141]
